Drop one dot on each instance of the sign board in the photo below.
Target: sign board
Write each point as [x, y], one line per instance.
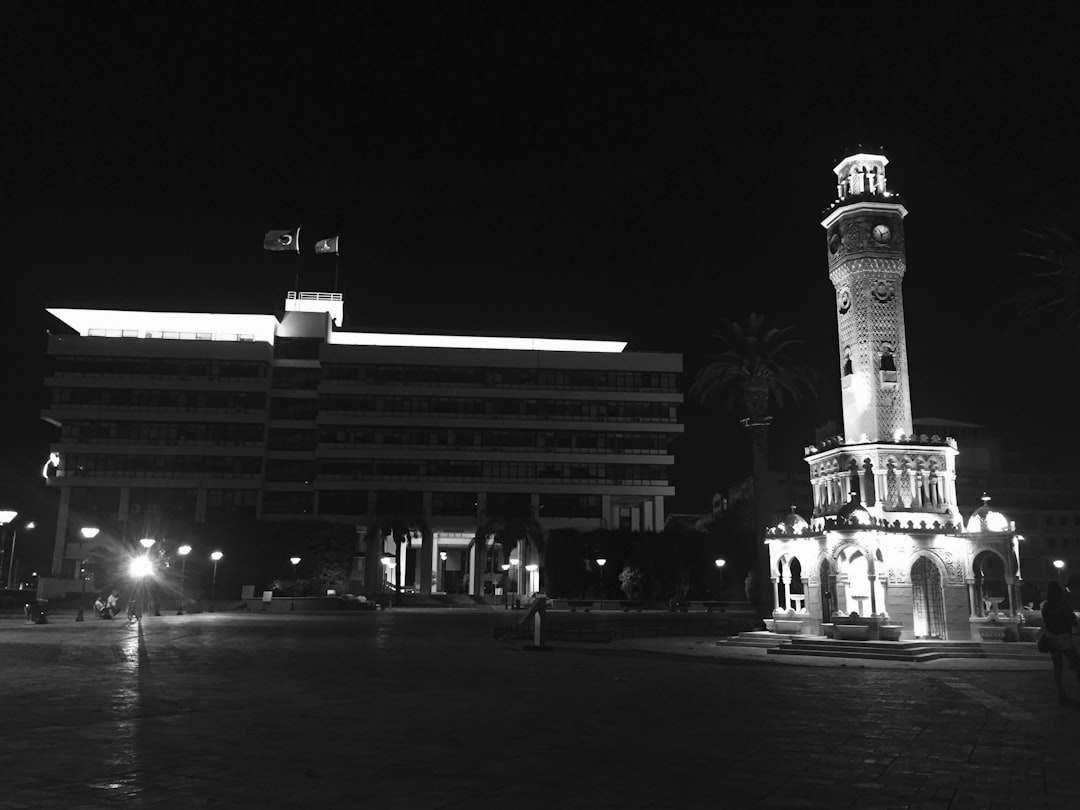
[268, 597]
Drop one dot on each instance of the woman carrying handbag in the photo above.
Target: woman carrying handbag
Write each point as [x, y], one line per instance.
[1058, 624]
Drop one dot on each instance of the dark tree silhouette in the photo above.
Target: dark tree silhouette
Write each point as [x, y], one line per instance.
[1049, 288]
[756, 365]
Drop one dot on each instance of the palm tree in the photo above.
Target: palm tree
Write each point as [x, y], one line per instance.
[1051, 291]
[756, 364]
[506, 531]
[400, 528]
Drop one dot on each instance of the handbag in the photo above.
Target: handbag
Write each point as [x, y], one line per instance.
[1043, 644]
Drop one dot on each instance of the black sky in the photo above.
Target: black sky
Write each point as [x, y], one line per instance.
[633, 169]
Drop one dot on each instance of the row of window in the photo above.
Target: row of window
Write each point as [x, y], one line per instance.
[308, 409]
[163, 433]
[365, 374]
[288, 470]
[149, 399]
[1061, 520]
[452, 470]
[1061, 542]
[547, 441]
[299, 439]
[501, 408]
[168, 335]
[159, 466]
[148, 502]
[586, 379]
[159, 368]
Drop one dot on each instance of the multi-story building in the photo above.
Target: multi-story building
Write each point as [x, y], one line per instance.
[1041, 501]
[203, 416]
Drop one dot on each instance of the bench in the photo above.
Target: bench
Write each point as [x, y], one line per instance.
[574, 604]
[627, 605]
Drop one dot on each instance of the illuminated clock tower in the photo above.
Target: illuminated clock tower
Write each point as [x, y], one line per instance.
[885, 554]
[877, 462]
[865, 236]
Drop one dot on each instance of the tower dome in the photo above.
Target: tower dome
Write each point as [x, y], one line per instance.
[985, 519]
[854, 512]
[793, 523]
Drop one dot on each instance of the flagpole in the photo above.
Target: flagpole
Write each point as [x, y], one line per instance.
[337, 255]
[298, 262]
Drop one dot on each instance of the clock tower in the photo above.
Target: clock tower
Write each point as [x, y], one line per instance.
[885, 554]
[865, 235]
[877, 464]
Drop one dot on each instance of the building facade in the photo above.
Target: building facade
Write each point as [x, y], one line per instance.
[429, 445]
[886, 543]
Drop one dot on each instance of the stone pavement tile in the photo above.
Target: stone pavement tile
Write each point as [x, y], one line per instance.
[247, 713]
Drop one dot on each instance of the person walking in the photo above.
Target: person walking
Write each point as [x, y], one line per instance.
[1058, 624]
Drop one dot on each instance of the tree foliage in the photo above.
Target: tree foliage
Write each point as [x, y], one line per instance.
[755, 363]
[1049, 287]
[674, 564]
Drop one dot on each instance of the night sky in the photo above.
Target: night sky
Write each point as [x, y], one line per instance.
[594, 169]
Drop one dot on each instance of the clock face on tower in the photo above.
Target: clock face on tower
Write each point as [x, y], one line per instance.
[834, 242]
[882, 234]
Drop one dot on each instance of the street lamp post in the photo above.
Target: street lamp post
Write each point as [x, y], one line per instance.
[440, 584]
[148, 603]
[389, 562]
[1060, 566]
[514, 562]
[601, 561]
[720, 562]
[13, 565]
[216, 557]
[88, 533]
[505, 585]
[140, 567]
[6, 516]
[292, 602]
[183, 551]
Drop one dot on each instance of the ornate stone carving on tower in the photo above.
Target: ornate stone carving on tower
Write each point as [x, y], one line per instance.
[865, 237]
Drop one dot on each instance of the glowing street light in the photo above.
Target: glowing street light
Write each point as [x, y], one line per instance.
[720, 562]
[440, 579]
[183, 551]
[505, 585]
[216, 557]
[292, 602]
[601, 561]
[389, 561]
[514, 562]
[88, 533]
[139, 568]
[1060, 566]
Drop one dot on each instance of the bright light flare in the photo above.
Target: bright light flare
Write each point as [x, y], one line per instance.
[140, 567]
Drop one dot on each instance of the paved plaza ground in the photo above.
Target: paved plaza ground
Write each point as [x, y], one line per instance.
[426, 709]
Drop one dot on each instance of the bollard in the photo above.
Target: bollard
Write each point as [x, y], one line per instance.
[538, 613]
[79, 616]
